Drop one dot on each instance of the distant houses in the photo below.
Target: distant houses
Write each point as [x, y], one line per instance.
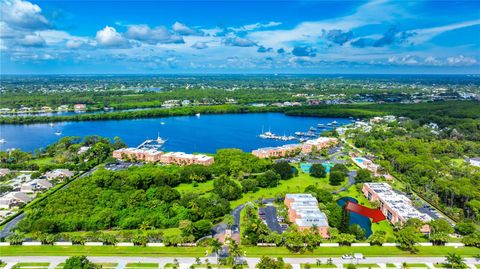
[59, 174]
[12, 199]
[80, 107]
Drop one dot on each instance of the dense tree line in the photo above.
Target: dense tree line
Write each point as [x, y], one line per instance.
[430, 161]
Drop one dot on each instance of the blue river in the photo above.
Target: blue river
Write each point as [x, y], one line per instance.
[205, 133]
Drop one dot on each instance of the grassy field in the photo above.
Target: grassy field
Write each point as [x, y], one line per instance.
[201, 188]
[250, 251]
[296, 184]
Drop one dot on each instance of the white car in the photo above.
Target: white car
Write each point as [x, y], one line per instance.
[347, 257]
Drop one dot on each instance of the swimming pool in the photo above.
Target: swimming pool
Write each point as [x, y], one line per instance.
[305, 167]
[359, 160]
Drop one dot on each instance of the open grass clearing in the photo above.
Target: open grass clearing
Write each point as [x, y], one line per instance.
[293, 185]
[364, 265]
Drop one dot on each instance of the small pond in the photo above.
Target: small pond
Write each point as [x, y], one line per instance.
[355, 218]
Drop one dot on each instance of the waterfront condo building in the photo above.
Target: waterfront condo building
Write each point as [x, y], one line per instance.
[304, 212]
[182, 158]
[396, 207]
[153, 155]
[293, 149]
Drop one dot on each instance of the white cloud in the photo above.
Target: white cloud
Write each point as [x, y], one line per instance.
[461, 60]
[22, 14]
[199, 45]
[425, 34]
[152, 36]
[109, 37]
[32, 41]
[255, 26]
[183, 29]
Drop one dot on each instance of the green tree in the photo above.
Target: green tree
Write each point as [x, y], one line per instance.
[455, 261]
[79, 262]
[284, 169]
[407, 237]
[336, 178]
[363, 175]
[318, 170]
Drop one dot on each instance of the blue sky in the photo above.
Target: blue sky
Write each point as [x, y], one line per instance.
[379, 36]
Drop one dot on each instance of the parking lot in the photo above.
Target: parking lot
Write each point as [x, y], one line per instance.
[269, 216]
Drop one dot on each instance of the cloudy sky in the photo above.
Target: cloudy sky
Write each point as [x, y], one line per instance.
[378, 36]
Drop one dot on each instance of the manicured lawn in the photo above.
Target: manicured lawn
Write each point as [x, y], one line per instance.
[296, 184]
[417, 265]
[391, 265]
[201, 188]
[22, 264]
[43, 161]
[251, 251]
[141, 265]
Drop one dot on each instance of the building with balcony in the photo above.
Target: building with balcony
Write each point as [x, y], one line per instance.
[303, 211]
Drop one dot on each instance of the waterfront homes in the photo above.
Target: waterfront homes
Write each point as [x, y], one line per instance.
[147, 155]
[182, 158]
[153, 155]
[79, 107]
[304, 212]
[293, 149]
[396, 207]
[59, 174]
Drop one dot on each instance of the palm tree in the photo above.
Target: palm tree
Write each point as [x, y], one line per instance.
[234, 250]
[455, 261]
[216, 247]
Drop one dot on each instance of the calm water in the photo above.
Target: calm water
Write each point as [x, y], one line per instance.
[206, 133]
[355, 218]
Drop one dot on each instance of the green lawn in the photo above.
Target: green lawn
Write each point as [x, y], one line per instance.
[437, 251]
[391, 265]
[141, 265]
[293, 185]
[43, 161]
[201, 188]
[417, 265]
[22, 264]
